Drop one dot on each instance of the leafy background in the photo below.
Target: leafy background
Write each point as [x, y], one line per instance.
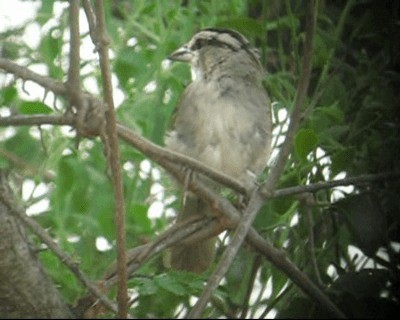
[346, 239]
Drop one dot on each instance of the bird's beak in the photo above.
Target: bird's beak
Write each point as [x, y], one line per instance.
[183, 54]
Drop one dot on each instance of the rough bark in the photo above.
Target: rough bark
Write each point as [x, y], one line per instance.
[26, 291]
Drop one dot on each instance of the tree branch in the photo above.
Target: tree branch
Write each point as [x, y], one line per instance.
[113, 158]
[74, 78]
[91, 19]
[26, 74]
[314, 187]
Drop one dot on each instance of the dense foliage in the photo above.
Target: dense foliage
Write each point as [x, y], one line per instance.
[345, 239]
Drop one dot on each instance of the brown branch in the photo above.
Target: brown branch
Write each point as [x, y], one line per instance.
[91, 19]
[280, 260]
[26, 74]
[314, 187]
[74, 79]
[37, 119]
[256, 199]
[113, 157]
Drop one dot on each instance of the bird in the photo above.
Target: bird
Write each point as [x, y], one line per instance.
[223, 120]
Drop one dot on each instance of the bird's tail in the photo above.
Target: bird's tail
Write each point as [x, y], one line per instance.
[195, 257]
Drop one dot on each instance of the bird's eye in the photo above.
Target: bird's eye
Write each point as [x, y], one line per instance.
[199, 43]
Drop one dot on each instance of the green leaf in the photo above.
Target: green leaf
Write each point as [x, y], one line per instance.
[49, 47]
[8, 95]
[45, 12]
[34, 107]
[147, 286]
[138, 221]
[169, 284]
[305, 141]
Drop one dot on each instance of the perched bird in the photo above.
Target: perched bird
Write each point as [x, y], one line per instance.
[223, 119]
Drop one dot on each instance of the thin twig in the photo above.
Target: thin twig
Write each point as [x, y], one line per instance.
[91, 19]
[113, 158]
[307, 201]
[314, 187]
[250, 286]
[256, 199]
[73, 81]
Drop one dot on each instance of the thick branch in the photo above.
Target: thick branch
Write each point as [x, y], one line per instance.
[74, 78]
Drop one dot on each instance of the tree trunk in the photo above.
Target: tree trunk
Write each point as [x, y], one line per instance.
[26, 291]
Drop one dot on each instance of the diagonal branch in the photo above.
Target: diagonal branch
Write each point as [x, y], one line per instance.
[27, 74]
